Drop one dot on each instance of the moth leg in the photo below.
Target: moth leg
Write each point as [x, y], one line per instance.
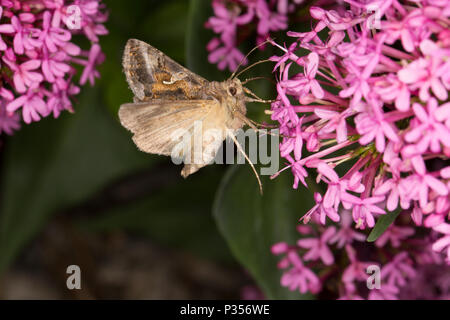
[252, 124]
[255, 97]
[241, 150]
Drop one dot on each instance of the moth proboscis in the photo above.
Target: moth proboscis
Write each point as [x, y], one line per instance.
[169, 97]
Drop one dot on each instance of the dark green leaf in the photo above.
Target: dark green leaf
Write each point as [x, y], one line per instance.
[56, 163]
[382, 224]
[178, 215]
[252, 223]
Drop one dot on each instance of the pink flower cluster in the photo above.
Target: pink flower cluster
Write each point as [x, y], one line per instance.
[233, 15]
[37, 56]
[370, 106]
[335, 262]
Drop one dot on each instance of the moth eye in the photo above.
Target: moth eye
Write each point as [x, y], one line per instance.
[232, 91]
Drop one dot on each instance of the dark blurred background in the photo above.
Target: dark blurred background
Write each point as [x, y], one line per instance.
[76, 191]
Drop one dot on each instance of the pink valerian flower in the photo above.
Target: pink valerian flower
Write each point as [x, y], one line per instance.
[232, 15]
[427, 133]
[38, 56]
[376, 101]
[298, 277]
[32, 104]
[356, 270]
[428, 72]
[364, 117]
[394, 234]
[345, 234]
[24, 77]
[398, 270]
[321, 210]
[225, 56]
[9, 122]
[318, 247]
[443, 244]
[385, 292]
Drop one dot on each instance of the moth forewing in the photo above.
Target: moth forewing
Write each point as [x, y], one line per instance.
[152, 75]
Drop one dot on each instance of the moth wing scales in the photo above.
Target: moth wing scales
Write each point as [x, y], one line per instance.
[144, 66]
[154, 124]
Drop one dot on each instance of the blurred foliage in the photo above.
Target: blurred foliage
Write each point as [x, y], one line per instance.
[54, 166]
[252, 223]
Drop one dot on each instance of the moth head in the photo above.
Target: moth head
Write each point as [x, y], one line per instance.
[234, 88]
[231, 93]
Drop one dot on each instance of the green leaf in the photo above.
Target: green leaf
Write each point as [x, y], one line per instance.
[178, 215]
[382, 224]
[252, 223]
[53, 164]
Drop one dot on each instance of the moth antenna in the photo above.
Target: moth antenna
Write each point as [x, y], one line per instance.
[257, 78]
[259, 100]
[241, 150]
[246, 56]
[252, 65]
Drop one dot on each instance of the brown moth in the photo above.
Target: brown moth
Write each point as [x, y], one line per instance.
[168, 97]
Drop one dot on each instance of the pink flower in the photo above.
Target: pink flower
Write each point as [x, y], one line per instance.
[225, 21]
[4, 28]
[372, 126]
[426, 73]
[336, 122]
[39, 57]
[425, 182]
[33, 105]
[428, 133]
[53, 37]
[318, 248]
[357, 80]
[397, 192]
[269, 21]
[392, 89]
[25, 38]
[230, 16]
[375, 121]
[322, 211]
[345, 234]
[226, 57]
[24, 77]
[386, 292]
[395, 235]
[9, 122]
[299, 277]
[54, 66]
[443, 242]
[302, 85]
[398, 270]
[60, 98]
[95, 57]
[356, 271]
[363, 209]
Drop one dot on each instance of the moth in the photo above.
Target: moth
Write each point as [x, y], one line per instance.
[170, 98]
